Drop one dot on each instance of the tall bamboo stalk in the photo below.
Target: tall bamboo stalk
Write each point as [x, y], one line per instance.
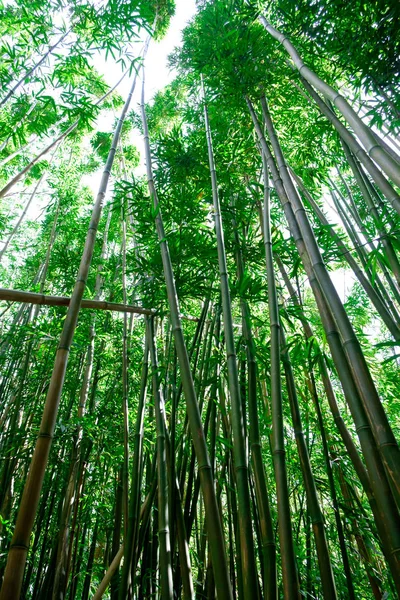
[165, 566]
[238, 418]
[289, 572]
[263, 506]
[370, 143]
[321, 544]
[133, 520]
[215, 532]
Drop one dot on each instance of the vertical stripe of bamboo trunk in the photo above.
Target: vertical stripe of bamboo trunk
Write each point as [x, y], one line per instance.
[314, 509]
[125, 387]
[238, 422]
[266, 525]
[370, 143]
[134, 506]
[289, 572]
[14, 571]
[215, 532]
[165, 567]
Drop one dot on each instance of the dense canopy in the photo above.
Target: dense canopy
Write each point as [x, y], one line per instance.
[200, 301]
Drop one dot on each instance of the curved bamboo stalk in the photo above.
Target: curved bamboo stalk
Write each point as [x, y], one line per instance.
[370, 143]
[238, 418]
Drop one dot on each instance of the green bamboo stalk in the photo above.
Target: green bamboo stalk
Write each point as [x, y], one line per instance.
[238, 422]
[60, 579]
[289, 572]
[370, 143]
[264, 512]
[134, 507]
[321, 544]
[125, 386]
[165, 565]
[216, 537]
[330, 394]
[341, 206]
[351, 212]
[339, 525]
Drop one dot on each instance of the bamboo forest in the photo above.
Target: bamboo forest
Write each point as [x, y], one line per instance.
[200, 299]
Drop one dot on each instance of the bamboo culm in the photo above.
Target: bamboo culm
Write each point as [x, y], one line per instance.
[289, 571]
[370, 143]
[239, 450]
[215, 532]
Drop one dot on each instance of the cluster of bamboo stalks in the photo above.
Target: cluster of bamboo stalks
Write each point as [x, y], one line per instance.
[222, 511]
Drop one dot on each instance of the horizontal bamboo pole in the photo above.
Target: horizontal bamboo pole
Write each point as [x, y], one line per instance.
[33, 298]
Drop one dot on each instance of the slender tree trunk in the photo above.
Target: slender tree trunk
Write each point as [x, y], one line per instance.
[238, 422]
[216, 538]
[289, 571]
[372, 146]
